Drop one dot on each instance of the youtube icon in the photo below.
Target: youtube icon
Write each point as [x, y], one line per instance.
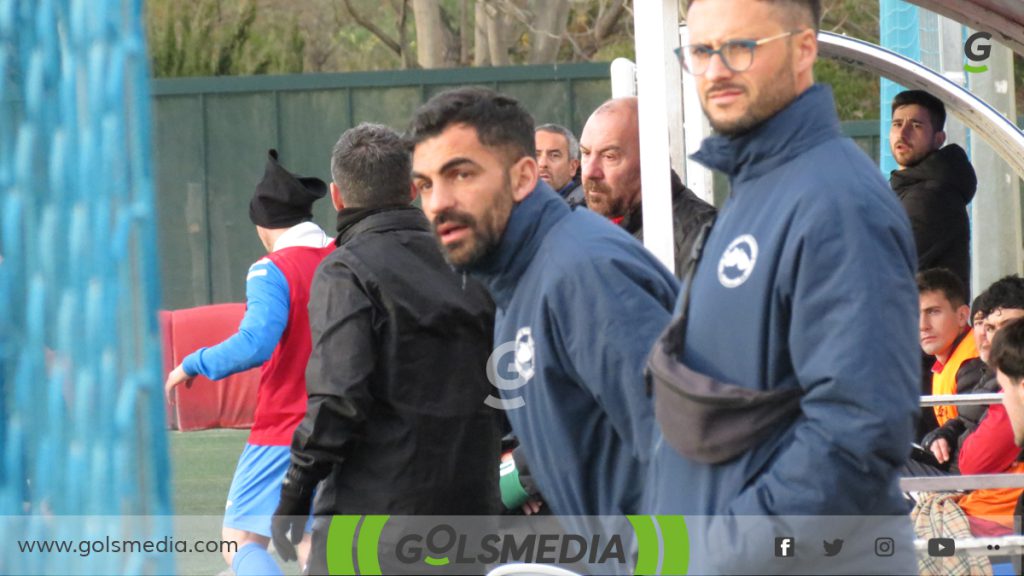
[941, 547]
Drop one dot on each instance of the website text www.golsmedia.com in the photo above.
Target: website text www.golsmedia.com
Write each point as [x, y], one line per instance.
[85, 548]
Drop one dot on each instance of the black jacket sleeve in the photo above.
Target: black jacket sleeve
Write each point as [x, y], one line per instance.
[984, 382]
[950, 431]
[970, 379]
[933, 210]
[339, 373]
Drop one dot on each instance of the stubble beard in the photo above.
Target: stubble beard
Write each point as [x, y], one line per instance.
[774, 97]
[484, 233]
[606, 204]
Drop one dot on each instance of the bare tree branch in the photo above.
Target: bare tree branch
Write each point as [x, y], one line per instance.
[496, 38]
[403, 16]
[376, 31]
[430, 38]
[606, 21]
[481, 48]
[544, 21]
[464, 32]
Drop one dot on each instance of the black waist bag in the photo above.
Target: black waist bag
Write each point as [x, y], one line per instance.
[704, 419]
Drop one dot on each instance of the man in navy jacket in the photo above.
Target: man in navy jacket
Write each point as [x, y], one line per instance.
[805, 288]
[579, 302]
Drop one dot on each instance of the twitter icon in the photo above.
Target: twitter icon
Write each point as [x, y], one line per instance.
[832, 548]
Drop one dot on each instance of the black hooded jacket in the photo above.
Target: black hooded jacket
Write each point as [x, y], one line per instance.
[397, 421]
[935, 194]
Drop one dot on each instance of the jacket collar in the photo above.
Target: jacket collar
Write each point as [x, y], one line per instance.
[805, 122]
[566, 190]
[305, 234]
[355, 221]
[948, 166]
[634, 219]
[528, 225]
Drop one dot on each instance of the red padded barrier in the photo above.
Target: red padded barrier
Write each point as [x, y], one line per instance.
[226, 403]
[166, 337]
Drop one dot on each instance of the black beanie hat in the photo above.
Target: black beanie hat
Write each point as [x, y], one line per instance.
[283, 199]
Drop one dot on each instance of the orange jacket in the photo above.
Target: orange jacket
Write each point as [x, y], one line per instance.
[944, 380]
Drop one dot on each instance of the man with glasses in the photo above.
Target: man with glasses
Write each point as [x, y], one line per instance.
[801, 330]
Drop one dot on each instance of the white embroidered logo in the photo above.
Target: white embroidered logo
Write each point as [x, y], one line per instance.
[737, 261]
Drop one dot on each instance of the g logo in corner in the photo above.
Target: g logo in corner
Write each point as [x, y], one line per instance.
[737, 262]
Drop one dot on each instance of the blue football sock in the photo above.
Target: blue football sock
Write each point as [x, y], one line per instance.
[254, 560]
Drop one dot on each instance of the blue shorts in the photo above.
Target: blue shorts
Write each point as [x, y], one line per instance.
[256, 489]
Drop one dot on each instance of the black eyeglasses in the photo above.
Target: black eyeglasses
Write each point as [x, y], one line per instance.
[737, 55]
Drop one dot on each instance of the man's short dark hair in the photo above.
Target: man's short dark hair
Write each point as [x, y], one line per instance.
[571, 142]
[943, 280]
[371, 166]
[806, 12]
[980, 305]
[936, 109]
[499, 120]
[1007, 353]
[1007, 292]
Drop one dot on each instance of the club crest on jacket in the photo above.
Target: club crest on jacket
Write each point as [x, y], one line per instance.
[524, 353]
[737, 262]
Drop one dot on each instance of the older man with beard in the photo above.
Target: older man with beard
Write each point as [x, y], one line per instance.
[610, 160]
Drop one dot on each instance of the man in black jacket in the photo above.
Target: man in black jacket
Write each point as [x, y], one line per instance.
[934, 183]
[396, 421]
[610, 169]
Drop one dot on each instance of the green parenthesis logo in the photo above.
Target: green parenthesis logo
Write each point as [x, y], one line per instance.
[673, 546]
[975, 69]
[358, 533]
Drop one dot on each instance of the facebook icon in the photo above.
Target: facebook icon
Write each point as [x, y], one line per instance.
[784, 547]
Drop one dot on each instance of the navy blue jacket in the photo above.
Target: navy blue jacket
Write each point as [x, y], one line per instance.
[583, 302]
[807, 280]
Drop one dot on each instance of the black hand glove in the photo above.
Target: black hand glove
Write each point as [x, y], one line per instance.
[291, 514]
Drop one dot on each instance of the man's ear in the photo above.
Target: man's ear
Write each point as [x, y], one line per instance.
[806, 50]
[574, 166]
[413, 192]
[339, 204]
[963, 315]
[939, 139]
[523, 175]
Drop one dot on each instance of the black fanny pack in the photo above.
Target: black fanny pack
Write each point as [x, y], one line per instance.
[704, 419]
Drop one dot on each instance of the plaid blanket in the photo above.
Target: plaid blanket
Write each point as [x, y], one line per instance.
[937, 515]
